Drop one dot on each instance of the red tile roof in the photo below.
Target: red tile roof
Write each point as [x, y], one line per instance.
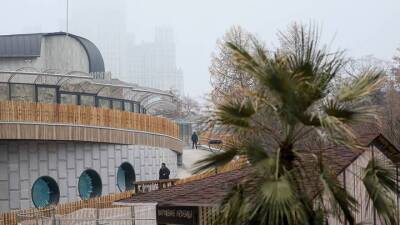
[204, 192]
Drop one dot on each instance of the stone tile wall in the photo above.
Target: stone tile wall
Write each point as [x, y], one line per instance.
[22, 162]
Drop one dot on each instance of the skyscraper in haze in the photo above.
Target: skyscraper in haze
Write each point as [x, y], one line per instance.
[149, 64]
[153, 64]
[103, 22]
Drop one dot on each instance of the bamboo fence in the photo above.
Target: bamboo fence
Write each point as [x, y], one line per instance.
[15, 111]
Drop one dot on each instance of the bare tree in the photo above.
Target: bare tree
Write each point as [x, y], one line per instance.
[226, 78]
[186, 107]
[388, 98]
[189, 106]
[396, 65]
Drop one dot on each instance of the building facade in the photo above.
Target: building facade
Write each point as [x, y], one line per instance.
[66, 134]
[23, 162]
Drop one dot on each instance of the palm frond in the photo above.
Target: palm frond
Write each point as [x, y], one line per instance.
[244, 60]
[307, 58]
[215, 160]
[260, 51]
[333, 125]
[341, 202]
[235, 113]
[350, 113]
[386, 173]
[278, 203]
[233, 209]
[320, 217]
[361, 86]
[261, 98]
[254, 151]
[380, 182]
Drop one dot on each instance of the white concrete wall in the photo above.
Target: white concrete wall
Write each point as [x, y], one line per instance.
[61, 53]
[22, 162]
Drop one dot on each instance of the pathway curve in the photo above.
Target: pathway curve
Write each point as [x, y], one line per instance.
[189, 158]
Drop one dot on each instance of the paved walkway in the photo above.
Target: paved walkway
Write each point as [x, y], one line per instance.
[190, 157]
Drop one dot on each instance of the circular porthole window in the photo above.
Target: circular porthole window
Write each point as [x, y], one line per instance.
[89, 185]
[125, 177]
[45, 192]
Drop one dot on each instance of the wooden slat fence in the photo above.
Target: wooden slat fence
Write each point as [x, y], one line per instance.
[14, 111]
[208, 215]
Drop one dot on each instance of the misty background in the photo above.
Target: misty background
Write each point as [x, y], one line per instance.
[361, 27]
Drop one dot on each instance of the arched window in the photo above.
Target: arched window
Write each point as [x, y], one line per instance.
[125, 177]
[89, 185]
[45, 192]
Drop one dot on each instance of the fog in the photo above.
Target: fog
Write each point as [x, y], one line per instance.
[361, 27]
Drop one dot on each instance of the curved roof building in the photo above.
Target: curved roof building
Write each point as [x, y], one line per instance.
[58, 51]
[68, 131]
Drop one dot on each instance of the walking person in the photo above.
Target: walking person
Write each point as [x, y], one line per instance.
[195, 139]
[164, 172]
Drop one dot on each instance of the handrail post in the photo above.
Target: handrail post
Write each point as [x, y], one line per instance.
[133, 215]
[136, 188]
[53, 219]
[97, 216]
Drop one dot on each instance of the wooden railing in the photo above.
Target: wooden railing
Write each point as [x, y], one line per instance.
[13, 111]
[151, 185]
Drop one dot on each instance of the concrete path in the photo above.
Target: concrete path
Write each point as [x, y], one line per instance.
[190, 157]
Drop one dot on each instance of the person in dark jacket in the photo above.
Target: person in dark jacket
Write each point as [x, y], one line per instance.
[195, 139]
[164, 172]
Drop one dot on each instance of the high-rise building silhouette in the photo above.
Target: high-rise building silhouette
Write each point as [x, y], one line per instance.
[150, 64]
[153, 64]
[105, 25]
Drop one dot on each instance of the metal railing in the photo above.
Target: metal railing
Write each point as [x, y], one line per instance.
[152, 185]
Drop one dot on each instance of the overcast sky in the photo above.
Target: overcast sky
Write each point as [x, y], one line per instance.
[362, 27]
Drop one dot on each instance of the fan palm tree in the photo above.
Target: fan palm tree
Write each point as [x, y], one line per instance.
[296, 101]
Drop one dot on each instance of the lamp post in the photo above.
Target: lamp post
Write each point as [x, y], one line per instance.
[67, 17]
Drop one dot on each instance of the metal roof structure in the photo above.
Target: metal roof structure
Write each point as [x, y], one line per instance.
[20, 45]
[29, 46]
[150, 98]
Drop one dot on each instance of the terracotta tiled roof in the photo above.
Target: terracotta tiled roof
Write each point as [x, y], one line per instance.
[211, 190]
[204, 192]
